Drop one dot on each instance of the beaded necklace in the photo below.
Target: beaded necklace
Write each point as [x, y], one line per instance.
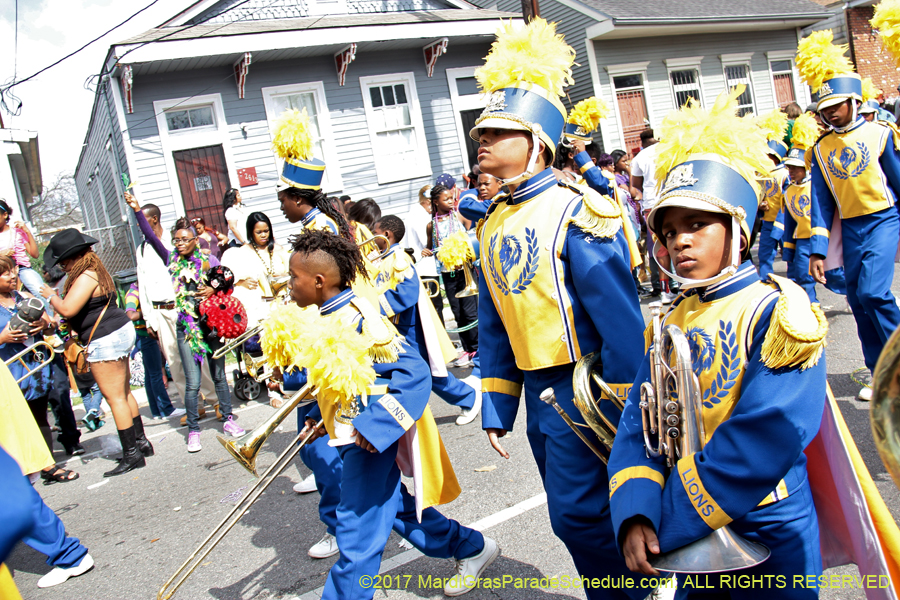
[270, 270]
[187, 272]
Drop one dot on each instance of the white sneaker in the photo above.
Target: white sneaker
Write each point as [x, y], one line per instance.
[465, 360]
[325, 547]
[468, 570]
[178, 412]
[865, 395]
[307, 485]
[468, 415]
[668, 297]
[59, 575]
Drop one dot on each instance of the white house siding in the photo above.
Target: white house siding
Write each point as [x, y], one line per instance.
[712, 75]
[345, 104]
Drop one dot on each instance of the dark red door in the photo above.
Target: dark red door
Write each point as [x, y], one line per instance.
[203, 179]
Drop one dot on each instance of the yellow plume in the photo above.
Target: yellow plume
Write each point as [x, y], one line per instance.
[455, 251]
[869, 91]
[291, 137]
[694, 130]
[887, 22]
[285, 335]
[338, 362]
[773, 124]
[588, 113]
[805, 131]
[534, 53]
[818, 59]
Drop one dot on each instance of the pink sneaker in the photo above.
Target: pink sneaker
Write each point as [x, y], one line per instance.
[194, 441]
[232, 428]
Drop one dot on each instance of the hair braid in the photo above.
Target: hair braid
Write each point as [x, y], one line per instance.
[320, 201]
[91, 262]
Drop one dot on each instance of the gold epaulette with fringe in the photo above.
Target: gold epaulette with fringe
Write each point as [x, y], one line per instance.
[797, 330]
[385, 343]
[895, 132]
[399, 269]
[599, 216]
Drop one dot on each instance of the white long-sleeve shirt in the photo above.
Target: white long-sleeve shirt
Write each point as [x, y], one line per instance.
[417, 238]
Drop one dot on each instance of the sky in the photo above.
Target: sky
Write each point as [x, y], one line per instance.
[56, 104]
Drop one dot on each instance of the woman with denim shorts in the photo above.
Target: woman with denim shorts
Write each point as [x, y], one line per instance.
[93, 315]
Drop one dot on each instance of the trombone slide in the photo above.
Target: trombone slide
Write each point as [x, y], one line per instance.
[20, 357]
[549, 397]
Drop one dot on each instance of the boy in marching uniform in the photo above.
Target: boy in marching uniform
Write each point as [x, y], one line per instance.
[403, 300]
[771, 231]
[555, 285]
[855, 170]
[797, 228]
[392, 428]
[756, 349]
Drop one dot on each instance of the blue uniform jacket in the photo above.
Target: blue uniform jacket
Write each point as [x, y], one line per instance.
[471, 207]
[593, 175]
[759, 444]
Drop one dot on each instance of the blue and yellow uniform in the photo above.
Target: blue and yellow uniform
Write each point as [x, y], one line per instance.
[797, 231]
[316, 219]
[373, 500]
[856, 176]
[755, 348]
[399, 301]
[772, 229]
[471, 207]
[556, 285]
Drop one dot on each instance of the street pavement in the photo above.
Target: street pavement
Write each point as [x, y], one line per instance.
[141, 526]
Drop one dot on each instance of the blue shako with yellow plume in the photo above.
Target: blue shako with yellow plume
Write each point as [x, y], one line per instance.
[709, 160]
[292, 142]
[825, 67]
[524, 76]
[797, 201]
[584, 118]
[774, 125]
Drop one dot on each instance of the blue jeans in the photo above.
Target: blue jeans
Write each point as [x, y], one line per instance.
[32, 282]
[192, 381]
[92, 398]
[157, 396]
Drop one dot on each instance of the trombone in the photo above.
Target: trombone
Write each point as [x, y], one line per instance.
[381, 254]
[244, 449]
[38, 355]
[432, 284]
[236, 342]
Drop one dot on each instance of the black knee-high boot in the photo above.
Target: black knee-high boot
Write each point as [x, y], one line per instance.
[131, 456]
[143, 444]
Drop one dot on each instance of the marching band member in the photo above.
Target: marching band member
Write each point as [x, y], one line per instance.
[797, 228]
[756, 348]
[403, 300]
[555, 285]
[855, 170]
[393, 427]
[771, 230]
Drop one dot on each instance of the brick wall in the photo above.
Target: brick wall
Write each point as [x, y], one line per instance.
[866, 51]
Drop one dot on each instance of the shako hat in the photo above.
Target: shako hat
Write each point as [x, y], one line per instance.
[584, 119]
[292, 142]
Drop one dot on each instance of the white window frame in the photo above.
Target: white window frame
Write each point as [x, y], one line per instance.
[690, 63]
[422, 166]
[461, 103]
[192, 138]
[800, 90]
[332, 181]
[736, 60]
[637, 68]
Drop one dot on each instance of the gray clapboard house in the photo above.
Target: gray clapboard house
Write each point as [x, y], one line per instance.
[185, 109]
[645, 58]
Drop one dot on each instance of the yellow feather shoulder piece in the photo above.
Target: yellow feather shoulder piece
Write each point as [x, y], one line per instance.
[382, 339]
[291, 136]
[805, 131]
[695, 130]
[286, 333]
[773, 124]
[398, 269]
[455, 251]
[887, 22]
[869, 91]
[599, 216]
[588, 113]
[818, 59]
[797, 330]
[534, 53]
[339, 365]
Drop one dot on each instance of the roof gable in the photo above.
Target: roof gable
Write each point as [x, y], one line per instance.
[230, 11]
[678, 10]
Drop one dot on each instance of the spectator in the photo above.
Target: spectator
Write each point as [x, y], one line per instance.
[92, 400]
[151, 357]
[235, 216]
[17, 242]
[211, 241]
[883, 113]
[365, 211]
[90, 308]
[564, 163]
[474, 203]
[792, 110]
[417, 238]
[194, 342]
[445, 221]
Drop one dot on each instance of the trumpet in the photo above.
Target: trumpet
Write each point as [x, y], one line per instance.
[38, 355]
[671, 414]
[244, 449]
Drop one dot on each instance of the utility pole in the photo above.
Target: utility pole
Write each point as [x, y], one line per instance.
[530, 10]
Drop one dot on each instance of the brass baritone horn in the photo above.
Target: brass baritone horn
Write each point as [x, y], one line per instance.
[885, 413]
[38, 355]
[673, 427]
[471, 288]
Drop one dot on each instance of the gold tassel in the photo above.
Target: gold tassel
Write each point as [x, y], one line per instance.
[600, 216]
[786, 346]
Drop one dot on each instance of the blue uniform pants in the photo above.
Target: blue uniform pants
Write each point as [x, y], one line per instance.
[373, 501]
[798, 269]
[325, 463]
[576, 482]
[48, 536]
[870, 244]
[453, 391]
[16, 515]
[768, 247]
[790, 530]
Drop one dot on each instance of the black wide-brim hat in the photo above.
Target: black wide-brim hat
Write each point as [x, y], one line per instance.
[64, 244]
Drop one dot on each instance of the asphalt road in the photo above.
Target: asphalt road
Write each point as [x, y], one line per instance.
[141, 526]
